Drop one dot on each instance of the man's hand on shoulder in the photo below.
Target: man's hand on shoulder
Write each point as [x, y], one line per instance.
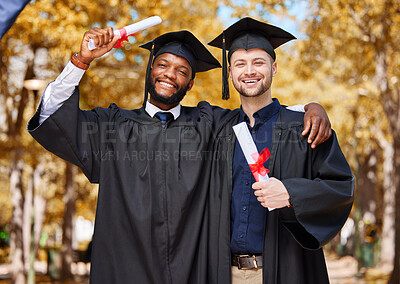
[316, 122]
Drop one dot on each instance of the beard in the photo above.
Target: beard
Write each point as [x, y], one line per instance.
[173, 99]
[253, 92]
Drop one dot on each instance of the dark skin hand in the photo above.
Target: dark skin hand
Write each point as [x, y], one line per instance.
[104, 40]
[316, 122]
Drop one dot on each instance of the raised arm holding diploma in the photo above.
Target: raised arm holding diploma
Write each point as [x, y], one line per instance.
[96, 42]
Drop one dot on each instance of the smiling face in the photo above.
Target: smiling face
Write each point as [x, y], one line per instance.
[251, 72]
[170, 79]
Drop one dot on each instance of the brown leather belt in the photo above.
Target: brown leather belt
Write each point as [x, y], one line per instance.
[247, 261]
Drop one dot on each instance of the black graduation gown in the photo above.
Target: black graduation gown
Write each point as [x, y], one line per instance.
[152, 217]
[320, 184]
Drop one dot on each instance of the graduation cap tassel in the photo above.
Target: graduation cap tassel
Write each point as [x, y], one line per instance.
[225, 83]
[146, 91]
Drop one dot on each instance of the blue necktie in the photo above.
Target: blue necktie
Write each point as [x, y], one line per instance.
[164, 116]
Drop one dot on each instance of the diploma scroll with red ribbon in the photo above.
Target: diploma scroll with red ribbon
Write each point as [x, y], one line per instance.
[131, 30]
[254, 159]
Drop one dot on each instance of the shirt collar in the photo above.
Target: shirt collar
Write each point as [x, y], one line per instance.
[263, 114]
[152, 110]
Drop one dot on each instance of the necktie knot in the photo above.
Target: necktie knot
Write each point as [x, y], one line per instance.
[164, 116]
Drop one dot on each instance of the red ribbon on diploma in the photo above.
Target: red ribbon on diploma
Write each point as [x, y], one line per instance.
[258, 167]
[124, 37]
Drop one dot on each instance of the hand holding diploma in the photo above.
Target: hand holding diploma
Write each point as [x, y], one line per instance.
[96, 42]
[130, 30]
[270, 192]
[104, 40]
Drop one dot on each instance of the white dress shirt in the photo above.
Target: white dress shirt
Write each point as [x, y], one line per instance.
[152, 110]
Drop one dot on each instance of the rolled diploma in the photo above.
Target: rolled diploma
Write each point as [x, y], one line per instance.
[132, 29]
[248, 146]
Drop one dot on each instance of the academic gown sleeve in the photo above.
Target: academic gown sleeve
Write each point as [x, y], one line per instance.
[73, 134]
[321, 186]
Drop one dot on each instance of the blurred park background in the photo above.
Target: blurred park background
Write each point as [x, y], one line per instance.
[346, 58]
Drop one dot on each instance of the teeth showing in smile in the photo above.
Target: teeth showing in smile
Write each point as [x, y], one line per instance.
[166, 84]
[250, 81]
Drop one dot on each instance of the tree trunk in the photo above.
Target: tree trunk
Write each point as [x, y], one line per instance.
[27, 232]
[395, 277]
[389, 166]
[39, 205]
[16, 239]
[379, 212]
[387, 253]
[390, 105]
[69, 213]
[15, 123]
[27, 222]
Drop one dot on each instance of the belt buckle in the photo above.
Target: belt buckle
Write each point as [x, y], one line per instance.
[246, 256]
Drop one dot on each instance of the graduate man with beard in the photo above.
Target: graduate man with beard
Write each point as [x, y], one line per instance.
[310, 189]
[153, 214]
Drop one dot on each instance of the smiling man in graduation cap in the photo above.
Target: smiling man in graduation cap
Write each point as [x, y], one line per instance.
[152, 220]
[310, 189]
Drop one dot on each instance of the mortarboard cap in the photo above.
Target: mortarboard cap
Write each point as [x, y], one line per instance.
[248, 33]
[184, 44]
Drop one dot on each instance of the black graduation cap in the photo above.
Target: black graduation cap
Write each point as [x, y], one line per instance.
[248, 33]
[184, 44]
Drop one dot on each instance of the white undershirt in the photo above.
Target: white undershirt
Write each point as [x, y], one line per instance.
[152, 110]
[58, 91]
